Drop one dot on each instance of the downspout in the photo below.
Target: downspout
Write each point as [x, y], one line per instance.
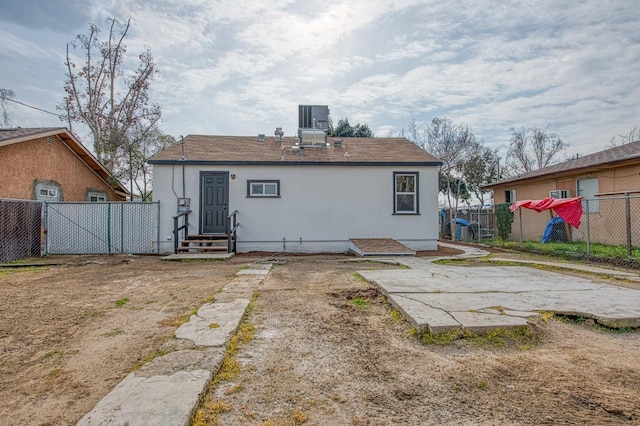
[182, 158]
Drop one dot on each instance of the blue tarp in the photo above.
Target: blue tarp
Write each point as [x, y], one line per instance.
[554, 231]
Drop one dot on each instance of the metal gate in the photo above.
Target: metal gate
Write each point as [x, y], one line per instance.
[101, 228]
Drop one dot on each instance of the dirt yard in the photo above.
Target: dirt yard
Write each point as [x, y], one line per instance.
[328, 350]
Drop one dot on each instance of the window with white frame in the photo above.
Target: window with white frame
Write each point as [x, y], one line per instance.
[263, 188]
[48, 191]
[405, 193]
[97, 198]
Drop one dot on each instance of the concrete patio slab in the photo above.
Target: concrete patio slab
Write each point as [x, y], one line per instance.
[437, 298]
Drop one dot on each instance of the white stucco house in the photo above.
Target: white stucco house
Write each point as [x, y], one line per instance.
[306, 194]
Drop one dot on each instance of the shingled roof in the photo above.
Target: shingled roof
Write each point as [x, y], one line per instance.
[248, 150]
[616, 156]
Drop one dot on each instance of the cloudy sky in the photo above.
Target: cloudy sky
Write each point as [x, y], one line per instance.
[241, 67]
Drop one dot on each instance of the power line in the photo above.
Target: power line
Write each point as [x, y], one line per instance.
[29, 106]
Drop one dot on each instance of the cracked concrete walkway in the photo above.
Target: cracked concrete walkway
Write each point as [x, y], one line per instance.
[438, 298]
[167, 390]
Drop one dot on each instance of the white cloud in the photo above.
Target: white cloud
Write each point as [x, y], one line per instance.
[242, 67]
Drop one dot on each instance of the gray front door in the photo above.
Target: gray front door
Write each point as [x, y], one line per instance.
[214, 202]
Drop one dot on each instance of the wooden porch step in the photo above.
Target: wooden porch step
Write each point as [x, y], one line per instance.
[202, 242]
[201, 249]
[207, 237]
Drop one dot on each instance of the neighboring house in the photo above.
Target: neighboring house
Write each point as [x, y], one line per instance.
[612, 172]
[307, 194]
[50, 164]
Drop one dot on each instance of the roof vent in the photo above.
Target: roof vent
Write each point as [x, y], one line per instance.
[278, 134]
[261, 137]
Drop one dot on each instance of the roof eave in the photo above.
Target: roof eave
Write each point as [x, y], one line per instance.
[78, 149]
[93, 163]
[566, 172]
[295, 163]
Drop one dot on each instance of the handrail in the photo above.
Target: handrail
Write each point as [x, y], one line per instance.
[231, 231]
[176, 229]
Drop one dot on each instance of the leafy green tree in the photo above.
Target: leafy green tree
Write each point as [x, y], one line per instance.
[457, 186]
[140, 145]
[504, 219]
[480, 168]
[344, 129]
[362, 131]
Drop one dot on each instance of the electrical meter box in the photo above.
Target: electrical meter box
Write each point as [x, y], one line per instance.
[184, 205]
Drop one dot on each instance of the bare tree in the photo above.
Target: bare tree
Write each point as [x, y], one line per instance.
[532, 149]
[103, 96]
[452, 144]
[632, 135]
[4, 95]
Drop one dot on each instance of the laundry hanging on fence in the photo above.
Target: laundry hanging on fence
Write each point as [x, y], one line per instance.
[569, 209]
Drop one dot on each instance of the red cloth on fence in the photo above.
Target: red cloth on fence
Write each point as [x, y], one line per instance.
[569, 209]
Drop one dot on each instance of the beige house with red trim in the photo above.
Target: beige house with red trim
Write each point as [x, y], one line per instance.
[609, 173]
[50, 164]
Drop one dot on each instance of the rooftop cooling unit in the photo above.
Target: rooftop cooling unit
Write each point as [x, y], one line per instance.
[313, 117]
[312, 137]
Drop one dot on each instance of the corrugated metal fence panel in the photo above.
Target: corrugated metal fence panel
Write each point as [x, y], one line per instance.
[20, 229]
[101, 228]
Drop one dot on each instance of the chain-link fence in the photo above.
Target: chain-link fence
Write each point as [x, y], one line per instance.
[611, 221]
[20, 229]
[101, 228]
[609, 227]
